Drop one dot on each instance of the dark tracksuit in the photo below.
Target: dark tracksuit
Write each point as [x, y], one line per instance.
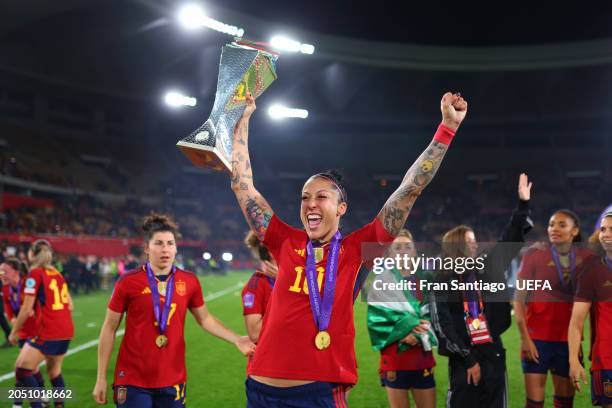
[447, 310]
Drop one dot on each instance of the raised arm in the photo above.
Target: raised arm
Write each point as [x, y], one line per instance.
[395, 211]
[255, 208]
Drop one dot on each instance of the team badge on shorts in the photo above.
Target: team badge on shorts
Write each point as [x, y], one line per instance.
[121, 395]
[607, 389]
[248, 299]
[181, 288]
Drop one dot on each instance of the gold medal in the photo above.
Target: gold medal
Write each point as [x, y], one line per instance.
[322, 340]
[476, 324]
[161, 341]
[318, 252]
[161, 288]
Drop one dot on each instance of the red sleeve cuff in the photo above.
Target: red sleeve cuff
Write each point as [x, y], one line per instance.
[444, 134]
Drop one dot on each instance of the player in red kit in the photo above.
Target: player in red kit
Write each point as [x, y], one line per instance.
[543, 315]
[13, 280]
[594, 294]
[305, 354]
[257, 291]
[394, 323]
[45, 288]
[155, 297]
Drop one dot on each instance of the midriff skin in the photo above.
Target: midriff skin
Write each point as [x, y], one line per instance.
[280, 382]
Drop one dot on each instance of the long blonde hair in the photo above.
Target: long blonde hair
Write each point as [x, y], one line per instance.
[42, 254]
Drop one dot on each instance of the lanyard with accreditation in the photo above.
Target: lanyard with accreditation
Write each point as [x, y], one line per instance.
[475, 320]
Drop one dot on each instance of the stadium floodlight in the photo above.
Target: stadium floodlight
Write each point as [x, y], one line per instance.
[280, 112]
[227, 256]
[176, 99]
[192, 17]
[206, 256]
[287, 44]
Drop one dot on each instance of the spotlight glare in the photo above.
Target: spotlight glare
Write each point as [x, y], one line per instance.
[280, 112]
[191, 16]
[307, 49]
[206, 256]
[176, 99]
[227, 256]
[287, 44]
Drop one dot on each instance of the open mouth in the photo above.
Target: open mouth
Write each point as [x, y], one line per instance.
[314, 220]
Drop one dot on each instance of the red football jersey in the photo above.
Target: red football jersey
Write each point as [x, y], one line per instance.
[595, 286]
[256, 294]
[415, 358]
[51, 291]
[140, 362]
[30, 327]
[255, 297]
[548, 312]
[286, 347]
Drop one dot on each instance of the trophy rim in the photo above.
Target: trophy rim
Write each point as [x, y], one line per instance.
[217, 152]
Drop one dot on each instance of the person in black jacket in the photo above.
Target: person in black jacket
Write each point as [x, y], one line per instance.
[469, 323]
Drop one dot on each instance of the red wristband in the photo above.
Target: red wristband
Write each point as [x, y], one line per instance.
[444, 135]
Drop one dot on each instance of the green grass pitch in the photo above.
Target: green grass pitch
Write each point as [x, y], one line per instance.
[215, 369]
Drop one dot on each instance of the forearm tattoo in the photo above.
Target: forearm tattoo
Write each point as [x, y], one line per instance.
[395, 211]
[255, 208]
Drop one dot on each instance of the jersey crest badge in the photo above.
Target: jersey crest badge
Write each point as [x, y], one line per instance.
[181, 288]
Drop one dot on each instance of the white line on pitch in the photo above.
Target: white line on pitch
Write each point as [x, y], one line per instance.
[120, 332]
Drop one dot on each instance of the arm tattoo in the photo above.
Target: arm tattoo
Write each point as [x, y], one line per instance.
[255, 208]
[395, 211]
[257, 216]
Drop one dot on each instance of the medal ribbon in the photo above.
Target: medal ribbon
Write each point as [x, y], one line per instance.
[15, 304]
[322, 312]
[161, 315]
[470, 306]
[557, 261]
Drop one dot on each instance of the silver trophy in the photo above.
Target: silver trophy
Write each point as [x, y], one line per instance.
[244, 66]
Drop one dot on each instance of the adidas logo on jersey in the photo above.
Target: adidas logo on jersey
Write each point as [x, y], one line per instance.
[145, 291]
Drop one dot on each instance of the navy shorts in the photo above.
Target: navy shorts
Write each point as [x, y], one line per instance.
[49, 347]
[127, 396]
[316, 394]
[554, 356]
[408, 379]
[601, 387]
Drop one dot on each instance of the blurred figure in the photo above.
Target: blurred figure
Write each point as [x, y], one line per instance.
[594, 295]
[399, 327]
[13, 273]
[256, 293]
[45, 289]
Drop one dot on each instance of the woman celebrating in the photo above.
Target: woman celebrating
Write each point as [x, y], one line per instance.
[46, 289]
[150, 368]
[395, 324]
[469, 323]
[305, 353]
[543, 316]
[594, 293]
